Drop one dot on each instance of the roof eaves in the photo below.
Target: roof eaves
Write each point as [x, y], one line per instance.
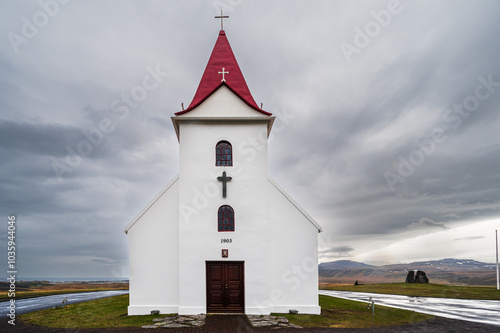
[223, 83]
[293, 202]
[155, 199]
[259, 119]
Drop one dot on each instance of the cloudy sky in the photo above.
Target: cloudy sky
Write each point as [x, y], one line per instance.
[387, 130]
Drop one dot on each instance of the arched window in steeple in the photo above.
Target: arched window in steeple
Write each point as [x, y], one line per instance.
[223, 154]
[225, 218]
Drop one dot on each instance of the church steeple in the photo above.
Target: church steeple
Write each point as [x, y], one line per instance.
[222, 69]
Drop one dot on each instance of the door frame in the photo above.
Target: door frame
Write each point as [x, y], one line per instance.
[242, 281]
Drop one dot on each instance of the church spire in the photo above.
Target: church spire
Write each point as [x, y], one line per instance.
[222, 69]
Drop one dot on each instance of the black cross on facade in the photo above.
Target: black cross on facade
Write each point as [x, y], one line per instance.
[222, 17]
[224, 179]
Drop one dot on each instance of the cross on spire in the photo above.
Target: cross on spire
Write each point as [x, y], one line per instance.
[222, 17]
[223, 74]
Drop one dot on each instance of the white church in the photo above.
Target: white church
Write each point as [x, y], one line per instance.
[223, 236]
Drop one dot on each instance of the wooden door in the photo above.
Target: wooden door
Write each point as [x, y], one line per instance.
[225, 286]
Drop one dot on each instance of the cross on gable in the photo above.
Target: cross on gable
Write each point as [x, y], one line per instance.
[224, 179]
[222, 17]
[223, 76]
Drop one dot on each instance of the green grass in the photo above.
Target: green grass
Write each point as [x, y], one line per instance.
[336, 312]
[112, 312]
[424, 290]
[341, 313]
[99, 313]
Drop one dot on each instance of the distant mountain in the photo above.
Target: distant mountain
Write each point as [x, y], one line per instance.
[343, 264]
[446, 264]
[445, 271]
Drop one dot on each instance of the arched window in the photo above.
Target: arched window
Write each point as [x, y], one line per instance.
[223, 154]
[225, 218]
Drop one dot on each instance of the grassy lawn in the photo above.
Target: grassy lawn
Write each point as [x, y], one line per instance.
[104, 312]
[425, 290]
[336, 312]
[341, 313]
[111, 312]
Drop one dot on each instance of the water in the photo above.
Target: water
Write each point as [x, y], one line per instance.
[75, 279]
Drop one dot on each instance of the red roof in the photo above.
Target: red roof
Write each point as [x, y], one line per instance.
[222, 60]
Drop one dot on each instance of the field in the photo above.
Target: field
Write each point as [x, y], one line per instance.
[111, 312]
[445, 271]
[425, 290]
[104, 312]
[341, 313]
[44, 288]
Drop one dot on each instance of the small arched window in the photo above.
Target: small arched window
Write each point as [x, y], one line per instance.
[225, 218]
[223, 154]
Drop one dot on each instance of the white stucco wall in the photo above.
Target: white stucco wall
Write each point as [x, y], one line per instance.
[200, 197]
[171, 240]
[154, 255]
[293, 253]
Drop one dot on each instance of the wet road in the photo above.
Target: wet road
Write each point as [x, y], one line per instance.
[486, 312]
[46, 302]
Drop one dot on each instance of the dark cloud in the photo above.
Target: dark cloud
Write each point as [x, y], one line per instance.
[341, 126]
[36, 139]
[337, 251]
[427, 223]
[469, 238]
